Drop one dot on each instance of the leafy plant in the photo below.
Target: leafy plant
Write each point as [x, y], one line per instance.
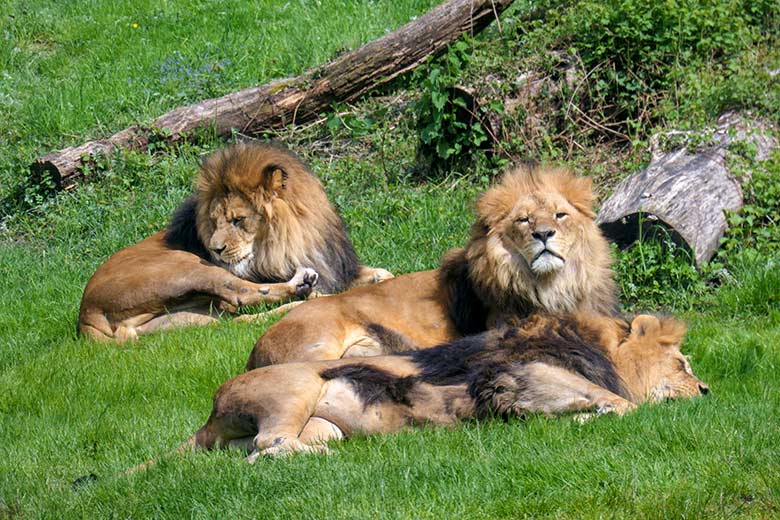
[656, 271]
[639, 58]
[757, 224]
[448, 123]
[355, 125]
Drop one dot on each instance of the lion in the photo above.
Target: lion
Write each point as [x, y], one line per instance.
[546, 364]
[534, 247]
[260, 229]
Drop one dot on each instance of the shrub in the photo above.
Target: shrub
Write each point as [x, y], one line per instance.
[638, 55]
[448, 124]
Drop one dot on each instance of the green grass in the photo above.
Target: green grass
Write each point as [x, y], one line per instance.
[72, 70]
[69, 407]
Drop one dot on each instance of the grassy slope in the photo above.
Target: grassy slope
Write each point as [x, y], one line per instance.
[69, 407]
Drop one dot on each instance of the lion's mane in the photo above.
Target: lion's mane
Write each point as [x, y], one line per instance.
[488, 277]
[303, 228]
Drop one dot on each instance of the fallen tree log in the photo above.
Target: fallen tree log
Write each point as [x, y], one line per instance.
[686, 191]
[292, 100]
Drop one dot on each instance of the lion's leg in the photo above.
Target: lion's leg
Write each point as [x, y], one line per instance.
[97, 334]
[320, 431]
[299, 340]
[233, 292]
[284, 403]
[177, 319]
[370, 275]
[540, 387]
[282, 309]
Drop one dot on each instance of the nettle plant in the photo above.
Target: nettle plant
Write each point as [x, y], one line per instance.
[657, 272]
[641, 57]
[448, 121]
[757, 224]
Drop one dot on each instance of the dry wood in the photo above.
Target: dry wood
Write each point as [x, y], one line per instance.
[298, 99]
[686, 191]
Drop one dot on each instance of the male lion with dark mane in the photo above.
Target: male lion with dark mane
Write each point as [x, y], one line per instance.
[534, 247]
[259, 229]
[546, 364]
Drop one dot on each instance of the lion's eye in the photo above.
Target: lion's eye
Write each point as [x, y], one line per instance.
[561, 216]
[522, 220]
[237, 220]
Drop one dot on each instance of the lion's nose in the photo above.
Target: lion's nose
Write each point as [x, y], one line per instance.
[543, 234]
[704, 389]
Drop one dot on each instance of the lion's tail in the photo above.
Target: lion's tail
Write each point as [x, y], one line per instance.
[188, 445]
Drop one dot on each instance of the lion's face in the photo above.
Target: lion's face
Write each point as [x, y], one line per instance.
[243, 194]
[542, 228]
[540, 215]
[262, 215]
[236, 224]
[653, 349]
[536, 242]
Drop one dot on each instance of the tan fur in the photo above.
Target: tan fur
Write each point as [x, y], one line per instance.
[298, 407]
[506, 277]
[261, 216]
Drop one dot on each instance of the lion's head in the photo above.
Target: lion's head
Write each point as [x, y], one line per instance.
[651, 362]
[535, 244]
[261, 214]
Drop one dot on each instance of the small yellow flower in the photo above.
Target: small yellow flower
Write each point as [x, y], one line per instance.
[134, 25]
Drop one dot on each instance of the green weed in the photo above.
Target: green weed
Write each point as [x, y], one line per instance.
[637, 53]
[757, 224]
[448, 118]
[656, 272]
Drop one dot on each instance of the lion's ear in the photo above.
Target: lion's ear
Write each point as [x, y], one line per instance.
[494, 205]
[672, 331]
[579, 193]
[645, 324]
[275, 180]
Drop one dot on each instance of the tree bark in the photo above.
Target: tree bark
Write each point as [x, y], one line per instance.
[687, 192]
[293, 100]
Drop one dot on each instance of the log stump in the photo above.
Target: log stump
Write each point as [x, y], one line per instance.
[686, 191]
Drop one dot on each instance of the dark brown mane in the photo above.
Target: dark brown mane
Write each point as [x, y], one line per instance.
[479, 361]
[182, 232]
[465, 309]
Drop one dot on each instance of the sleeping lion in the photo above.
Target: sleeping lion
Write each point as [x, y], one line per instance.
[259, 229]
[546, 364]
[534, 247]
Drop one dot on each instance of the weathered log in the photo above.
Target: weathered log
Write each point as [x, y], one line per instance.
[298, 99]
[687, 192]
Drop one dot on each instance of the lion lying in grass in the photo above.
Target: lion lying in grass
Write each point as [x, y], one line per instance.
[259, 230]
[544, 365]
[534, 246]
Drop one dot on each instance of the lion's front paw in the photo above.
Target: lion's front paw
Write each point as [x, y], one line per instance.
[380, 275]
[616, 406]
[304, 280]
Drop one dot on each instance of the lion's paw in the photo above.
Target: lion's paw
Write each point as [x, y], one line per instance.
[618, 407]
[582, 418]
[304, 280]
[283, 446]
[380, 275]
